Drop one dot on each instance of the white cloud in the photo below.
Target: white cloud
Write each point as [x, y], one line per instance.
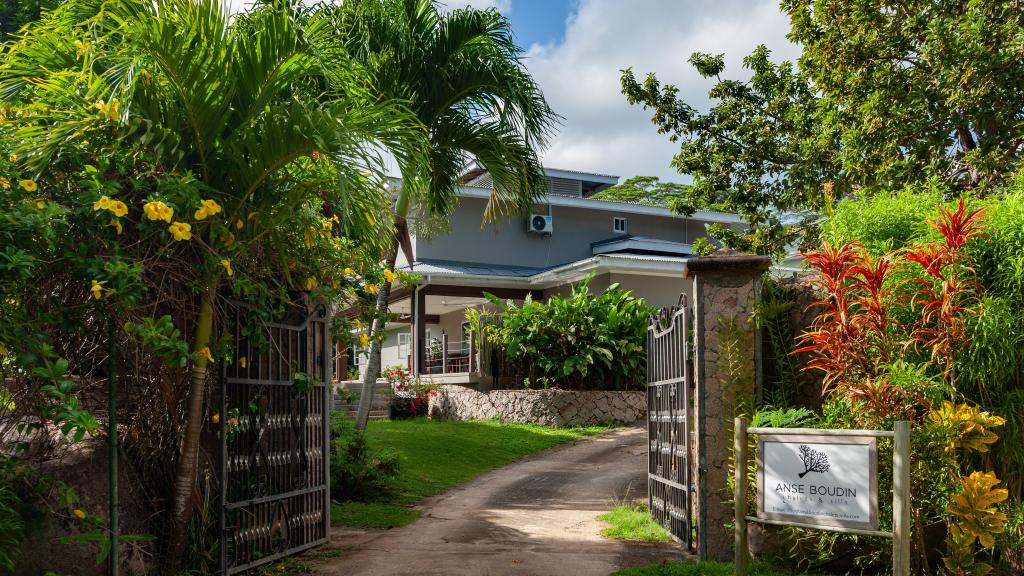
[580, 76]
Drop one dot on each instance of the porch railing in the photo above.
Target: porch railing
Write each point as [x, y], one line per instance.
[444, 356]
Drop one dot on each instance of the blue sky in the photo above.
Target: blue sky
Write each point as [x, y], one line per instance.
[540, 21]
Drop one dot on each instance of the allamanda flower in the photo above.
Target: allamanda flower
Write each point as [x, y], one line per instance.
[99, 290]
[27, 185]
[206, 209]
[389, 276]
[106, 203]
[180, 231]
[157, 210]
[227, 266]
[4, 183]
[204, 352]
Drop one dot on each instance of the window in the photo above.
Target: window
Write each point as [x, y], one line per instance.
[619, 224]
[404, 338]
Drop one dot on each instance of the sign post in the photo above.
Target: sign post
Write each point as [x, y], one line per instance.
[823, 480]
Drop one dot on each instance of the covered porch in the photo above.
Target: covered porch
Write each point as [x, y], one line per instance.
[431, 335]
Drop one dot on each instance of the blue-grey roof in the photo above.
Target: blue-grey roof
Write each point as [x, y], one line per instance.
[643, 244]
[471, 268]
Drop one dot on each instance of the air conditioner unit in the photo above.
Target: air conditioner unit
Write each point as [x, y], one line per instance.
[540, 224]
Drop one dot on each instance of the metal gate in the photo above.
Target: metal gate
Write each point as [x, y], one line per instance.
[669, 409]
[274, 446]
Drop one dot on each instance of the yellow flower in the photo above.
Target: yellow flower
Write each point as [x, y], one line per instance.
[180, 231]
[215, 418]
[157, 210]
[242, 362]
[364, 340]
[97, 289]
[206, 209]
[310, 283]
[348, 272]
[310, 238]
[82, 48]
[4, 182]
[371, 288]
[28, 185]
[204, 352]
[40, 204]
[227, 266]
[118, 208]
[239, 224]
[117, 225]
[233, 421]
[102, 204]
[78, 514]
[389, 276]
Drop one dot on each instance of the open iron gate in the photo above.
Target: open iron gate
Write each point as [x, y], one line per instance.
[274, 450]
[669, 408]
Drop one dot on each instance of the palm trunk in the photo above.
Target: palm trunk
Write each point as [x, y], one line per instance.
[376, 327]
[185, 476]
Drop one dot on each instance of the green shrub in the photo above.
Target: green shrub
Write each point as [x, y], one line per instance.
[11, 526]
[359, 471]
[576, 342]
[990, 367]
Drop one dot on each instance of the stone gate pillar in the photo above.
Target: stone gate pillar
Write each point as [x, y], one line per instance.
[727, 377]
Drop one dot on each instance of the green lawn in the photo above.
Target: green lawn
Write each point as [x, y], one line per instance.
[437, 455]
[633, 522]
[703, 569]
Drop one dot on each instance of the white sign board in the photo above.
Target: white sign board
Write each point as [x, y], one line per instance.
[820, 480]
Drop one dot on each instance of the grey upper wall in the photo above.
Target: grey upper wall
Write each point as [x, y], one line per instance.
[575, 228]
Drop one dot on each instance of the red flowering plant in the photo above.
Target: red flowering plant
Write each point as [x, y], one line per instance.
[855, 337]
[410, 397]
[863, 350]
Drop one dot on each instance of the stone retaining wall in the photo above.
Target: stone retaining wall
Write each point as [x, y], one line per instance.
[548, 407]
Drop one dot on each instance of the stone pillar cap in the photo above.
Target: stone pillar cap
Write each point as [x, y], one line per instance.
[728, 261]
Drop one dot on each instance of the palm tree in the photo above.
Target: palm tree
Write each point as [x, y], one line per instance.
[236, 103]
[462, 76]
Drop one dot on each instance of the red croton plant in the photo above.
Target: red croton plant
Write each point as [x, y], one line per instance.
[855, 339]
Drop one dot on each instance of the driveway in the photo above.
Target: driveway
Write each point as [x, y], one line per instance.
[537, 516]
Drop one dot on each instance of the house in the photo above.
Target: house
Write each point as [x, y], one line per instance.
[567, 237]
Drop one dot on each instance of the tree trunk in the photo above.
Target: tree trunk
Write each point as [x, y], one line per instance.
[376, 328]
[185, 476]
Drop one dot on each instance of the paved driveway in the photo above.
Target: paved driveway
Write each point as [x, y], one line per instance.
[535, 517]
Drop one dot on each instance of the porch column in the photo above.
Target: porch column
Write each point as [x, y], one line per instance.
[419, 328]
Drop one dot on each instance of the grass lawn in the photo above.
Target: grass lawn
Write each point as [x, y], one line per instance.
[633, 522]
[703, 569]
[437, 455]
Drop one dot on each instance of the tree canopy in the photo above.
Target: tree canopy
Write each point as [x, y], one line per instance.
[881, 96]
[648, 190]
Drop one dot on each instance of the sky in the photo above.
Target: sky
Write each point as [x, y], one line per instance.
[576, 48]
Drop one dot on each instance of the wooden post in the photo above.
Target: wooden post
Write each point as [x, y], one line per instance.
[444, 353]
[740, 495]
[901, 500]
